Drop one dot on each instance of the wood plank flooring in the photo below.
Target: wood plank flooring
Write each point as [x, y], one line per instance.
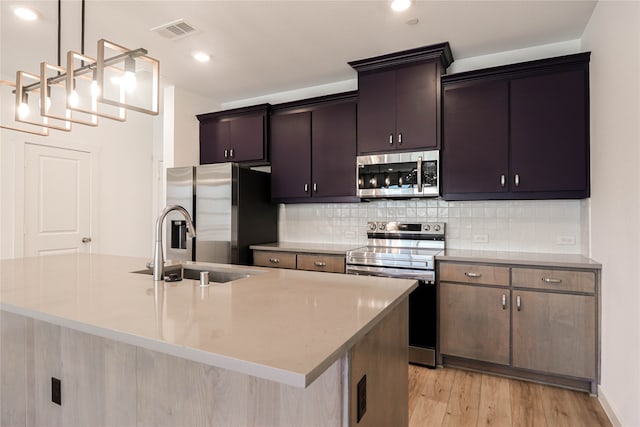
[454, 397]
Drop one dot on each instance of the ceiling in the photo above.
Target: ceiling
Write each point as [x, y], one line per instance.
[264, 47]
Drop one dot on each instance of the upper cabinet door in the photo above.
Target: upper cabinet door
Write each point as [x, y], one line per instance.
[399, 99]
[214, 135]
[239, 135]
[291, 155]
[333, 150]
[417, 107]
[475, 149]
[247, 138]
[376, 112]
[549, 144]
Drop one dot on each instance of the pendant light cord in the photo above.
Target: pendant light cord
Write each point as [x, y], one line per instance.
[59, 31]
[82, 31]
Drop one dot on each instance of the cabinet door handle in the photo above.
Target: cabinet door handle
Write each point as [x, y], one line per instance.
[306, 188]
[400, 138]
[390, 139]
[274, 260]
[472, 275]
[226, 153]
[504, 302]
[503, 180]
[550, 280]
[86, 240]
[518, 303]
[419, 174]
[320, 264]
[231, 152]
[516, 180]
[315, 187]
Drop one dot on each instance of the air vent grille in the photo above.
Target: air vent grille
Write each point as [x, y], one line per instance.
[174, 30]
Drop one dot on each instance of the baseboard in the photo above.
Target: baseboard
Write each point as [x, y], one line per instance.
[608, 409]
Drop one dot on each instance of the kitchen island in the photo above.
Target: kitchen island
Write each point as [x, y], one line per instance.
[281, 347]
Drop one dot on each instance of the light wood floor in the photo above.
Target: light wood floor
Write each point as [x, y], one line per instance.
[453, 397]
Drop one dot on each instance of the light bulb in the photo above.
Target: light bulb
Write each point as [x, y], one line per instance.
[95, 89]
[400, 5]
[129, 81]
[23, 110]
[74, 99]
[47, 103]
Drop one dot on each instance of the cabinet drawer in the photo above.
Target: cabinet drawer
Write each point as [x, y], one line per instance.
[319, 262]
[559, 280]
[274, 259]
[474, 273]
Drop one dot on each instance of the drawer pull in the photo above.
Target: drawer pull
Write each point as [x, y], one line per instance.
[550, 280]
[274, 260]
[320, 264]
[518, 303]
[504, 302]
[472, 275]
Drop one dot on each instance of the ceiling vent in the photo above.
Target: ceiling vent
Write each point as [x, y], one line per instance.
[174, 30]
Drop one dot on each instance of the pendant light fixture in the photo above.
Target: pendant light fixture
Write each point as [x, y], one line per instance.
[119, 79]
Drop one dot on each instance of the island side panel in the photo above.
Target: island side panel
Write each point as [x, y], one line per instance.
[174, 391]
[383, 356]
[15, 348]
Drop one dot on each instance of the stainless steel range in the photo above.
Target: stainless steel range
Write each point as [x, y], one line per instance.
[407, 250]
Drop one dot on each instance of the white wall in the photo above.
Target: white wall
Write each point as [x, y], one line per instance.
[121, 187]
[613, 36]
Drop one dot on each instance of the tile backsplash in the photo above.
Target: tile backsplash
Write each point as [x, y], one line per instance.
[553, 226]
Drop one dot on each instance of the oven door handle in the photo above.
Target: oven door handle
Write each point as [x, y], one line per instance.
[398, 273]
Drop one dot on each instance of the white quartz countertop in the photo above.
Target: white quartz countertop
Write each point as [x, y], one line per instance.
[317, 248]
[520, 258]
[282, 325]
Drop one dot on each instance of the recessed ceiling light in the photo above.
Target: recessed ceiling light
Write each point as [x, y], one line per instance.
[413, 21]
[400, 5]
[25, 13]
[201, 56]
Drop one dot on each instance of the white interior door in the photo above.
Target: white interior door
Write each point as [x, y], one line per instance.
[57, 194]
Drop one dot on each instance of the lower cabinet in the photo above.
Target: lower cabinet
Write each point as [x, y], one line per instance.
[474, 322]
[540, 324]
[330, 263]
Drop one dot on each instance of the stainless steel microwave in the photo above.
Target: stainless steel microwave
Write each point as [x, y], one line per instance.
[398, 175]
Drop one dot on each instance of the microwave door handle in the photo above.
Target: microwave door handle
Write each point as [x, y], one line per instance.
[419, 173]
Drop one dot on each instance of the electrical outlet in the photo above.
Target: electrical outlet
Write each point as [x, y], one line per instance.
[362, 397]
[566, 240]
[480, 238]
[56, 391]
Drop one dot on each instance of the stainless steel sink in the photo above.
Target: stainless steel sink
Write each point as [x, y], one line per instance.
[193, 270]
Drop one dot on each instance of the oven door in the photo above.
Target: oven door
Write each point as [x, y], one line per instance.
[423, 316]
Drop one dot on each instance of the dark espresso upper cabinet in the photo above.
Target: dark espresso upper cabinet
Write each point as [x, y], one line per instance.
[399, 99]
[313, 150]
[517, 132]
[238, 135]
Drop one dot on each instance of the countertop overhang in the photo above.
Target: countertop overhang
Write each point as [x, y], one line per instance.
[287, 326]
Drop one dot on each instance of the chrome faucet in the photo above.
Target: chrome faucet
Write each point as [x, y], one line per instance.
[158, 256]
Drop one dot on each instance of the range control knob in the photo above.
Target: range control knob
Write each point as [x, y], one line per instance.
[436, 227]
[427, 227]
[382, 226]
[372, 226]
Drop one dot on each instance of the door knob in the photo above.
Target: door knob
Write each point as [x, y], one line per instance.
[86, 240]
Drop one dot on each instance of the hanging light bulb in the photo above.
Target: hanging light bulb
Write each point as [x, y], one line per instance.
[47, 101]
[74, 98]
[23, 107]
[95, 88]
[129, 79]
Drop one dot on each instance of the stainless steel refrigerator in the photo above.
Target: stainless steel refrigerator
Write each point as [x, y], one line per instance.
[231, 208]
